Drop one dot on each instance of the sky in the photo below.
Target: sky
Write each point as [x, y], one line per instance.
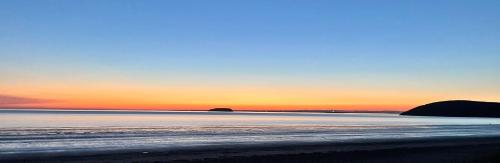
[257, 55]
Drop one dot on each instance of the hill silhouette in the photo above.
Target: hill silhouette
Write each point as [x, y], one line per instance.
[457, 108]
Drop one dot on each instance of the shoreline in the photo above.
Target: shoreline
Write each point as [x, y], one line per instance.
[438, 149]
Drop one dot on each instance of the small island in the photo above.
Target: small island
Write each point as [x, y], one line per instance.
[221, 109]
[457, 108]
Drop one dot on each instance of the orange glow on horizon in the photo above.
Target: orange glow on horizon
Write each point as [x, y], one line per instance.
[176, 97]
[206, 107]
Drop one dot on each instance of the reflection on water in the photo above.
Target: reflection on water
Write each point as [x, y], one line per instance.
[50, 131]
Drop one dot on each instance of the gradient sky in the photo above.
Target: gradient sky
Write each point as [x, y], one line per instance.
[269, 54]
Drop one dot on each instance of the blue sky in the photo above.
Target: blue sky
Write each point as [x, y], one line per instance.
[431, 46]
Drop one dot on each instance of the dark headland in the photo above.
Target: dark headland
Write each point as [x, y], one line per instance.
[222, 109]
[457, 108]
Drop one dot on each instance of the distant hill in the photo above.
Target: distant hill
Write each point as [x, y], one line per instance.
[457, 108]
[222, 109]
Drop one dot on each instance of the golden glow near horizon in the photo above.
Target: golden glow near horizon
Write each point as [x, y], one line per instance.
[135, 96]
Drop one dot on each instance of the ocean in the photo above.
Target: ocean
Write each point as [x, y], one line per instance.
[49, 131]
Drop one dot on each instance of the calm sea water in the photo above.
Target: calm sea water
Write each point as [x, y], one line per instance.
[62, 131]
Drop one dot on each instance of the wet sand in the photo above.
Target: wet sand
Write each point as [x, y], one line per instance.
[445, 149]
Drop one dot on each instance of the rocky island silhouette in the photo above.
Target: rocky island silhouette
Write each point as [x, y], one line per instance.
[221, 109]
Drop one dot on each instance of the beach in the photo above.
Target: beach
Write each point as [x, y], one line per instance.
[444, 149]
[131, 136]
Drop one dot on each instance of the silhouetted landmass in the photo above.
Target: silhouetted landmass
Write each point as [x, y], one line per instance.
[457, 108]
[221, 109]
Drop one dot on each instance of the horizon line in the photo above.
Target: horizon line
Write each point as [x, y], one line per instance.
[173, 109]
